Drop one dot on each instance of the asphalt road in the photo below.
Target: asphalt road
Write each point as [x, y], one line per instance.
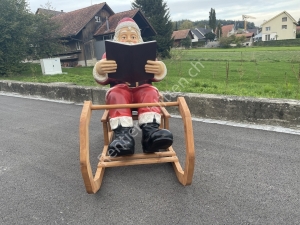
[242, 175]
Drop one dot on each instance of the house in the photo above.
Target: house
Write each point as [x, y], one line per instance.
[257, 37]
[249, 38]
[179, 35]
[199, 34]
[280, 27]
[297, 29]
[228, 30]
[85, 30]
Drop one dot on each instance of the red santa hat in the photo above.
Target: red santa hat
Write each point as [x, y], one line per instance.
[130, 23]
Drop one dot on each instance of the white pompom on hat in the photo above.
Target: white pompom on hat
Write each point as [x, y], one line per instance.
[130, 23]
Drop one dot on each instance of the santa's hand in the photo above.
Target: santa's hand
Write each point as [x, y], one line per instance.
[104, 67]
[157, 67]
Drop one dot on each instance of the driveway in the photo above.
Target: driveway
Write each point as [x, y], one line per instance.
[242, 175]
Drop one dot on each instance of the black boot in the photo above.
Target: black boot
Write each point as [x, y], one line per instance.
[122, 143]
[154, 138]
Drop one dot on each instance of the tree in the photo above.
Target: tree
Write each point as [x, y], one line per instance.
[175, 25]
[210, 36]
[219, 30]
[48, 5]
[23, 35]
[157, 12]
[299, 22]
[187, 42]
[212, 19]
[15, 27]
[226, 41]
[45, 41]
[187, 24]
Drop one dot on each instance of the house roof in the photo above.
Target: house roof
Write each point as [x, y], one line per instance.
[226, 29]
[114, 20]
[181, 34]
[247, 35]
[288, 15]
[48, 12]
[135, 14]
[204, 30]
[200, 32]
[73, 22]
[197, 33]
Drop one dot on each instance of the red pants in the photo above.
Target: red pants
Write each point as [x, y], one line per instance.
[122, 94]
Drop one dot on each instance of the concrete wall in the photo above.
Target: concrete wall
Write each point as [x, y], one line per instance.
[281, 112]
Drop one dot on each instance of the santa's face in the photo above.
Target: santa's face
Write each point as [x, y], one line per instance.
[128, 35]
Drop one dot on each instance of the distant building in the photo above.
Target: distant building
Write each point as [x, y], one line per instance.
[249, 38]
[199, 34]
[179, 35]
[228, 30]
[280, 27]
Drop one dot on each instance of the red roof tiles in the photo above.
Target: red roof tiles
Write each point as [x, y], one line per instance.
[226, 29]
[113, 21]
[180, 34]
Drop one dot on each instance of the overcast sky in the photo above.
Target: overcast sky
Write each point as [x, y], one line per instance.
[192, 9]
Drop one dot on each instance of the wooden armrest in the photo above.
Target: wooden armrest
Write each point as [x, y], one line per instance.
[105, 116]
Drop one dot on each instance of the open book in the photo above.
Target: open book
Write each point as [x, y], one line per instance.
[131, 60]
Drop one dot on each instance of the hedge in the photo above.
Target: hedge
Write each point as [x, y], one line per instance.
[277, 43]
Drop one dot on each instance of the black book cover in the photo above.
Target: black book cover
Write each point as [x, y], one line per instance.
[131, 60]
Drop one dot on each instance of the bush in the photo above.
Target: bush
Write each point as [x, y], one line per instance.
[187, 42]
[226, 41]
[279, 43]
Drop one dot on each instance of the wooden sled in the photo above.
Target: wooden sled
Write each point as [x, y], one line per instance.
[93, 182]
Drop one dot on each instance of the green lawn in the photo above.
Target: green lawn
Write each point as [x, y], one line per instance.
[243, 79]
[248, 54]
[259, 71]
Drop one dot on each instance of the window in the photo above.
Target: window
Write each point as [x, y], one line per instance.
[268, 28]
[284, 19]
[78, 46]
[97, 19]
[284, 26]
[267, 37]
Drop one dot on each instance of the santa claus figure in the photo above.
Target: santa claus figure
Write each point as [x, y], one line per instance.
[149, 118]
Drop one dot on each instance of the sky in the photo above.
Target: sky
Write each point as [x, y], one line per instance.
[192, 9]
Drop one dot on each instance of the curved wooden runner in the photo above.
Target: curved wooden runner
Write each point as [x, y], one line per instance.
[93, 182]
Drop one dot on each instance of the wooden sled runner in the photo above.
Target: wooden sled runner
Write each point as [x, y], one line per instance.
[93, 182]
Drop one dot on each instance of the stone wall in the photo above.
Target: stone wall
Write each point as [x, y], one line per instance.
[282, 112]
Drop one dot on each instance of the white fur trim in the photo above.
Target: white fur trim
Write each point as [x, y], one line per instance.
[159, 77]
[128, 24]
[98, 77]
[147, 117]
[124, 121]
